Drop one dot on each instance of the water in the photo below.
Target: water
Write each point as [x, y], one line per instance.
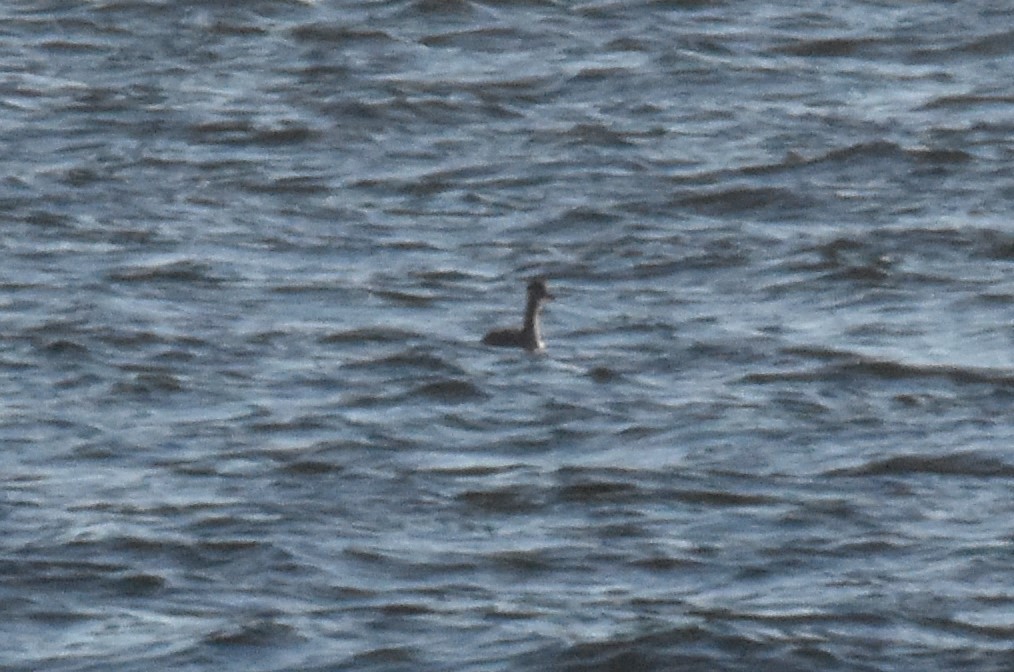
[250, 249]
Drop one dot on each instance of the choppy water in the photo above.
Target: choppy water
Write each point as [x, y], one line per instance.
[249, 249]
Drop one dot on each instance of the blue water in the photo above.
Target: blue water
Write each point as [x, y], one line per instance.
[250, 249]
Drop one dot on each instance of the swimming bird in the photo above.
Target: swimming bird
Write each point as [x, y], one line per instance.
[529, 336]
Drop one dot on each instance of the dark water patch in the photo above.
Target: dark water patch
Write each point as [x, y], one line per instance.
[63, 347]
[913, 401]
[958, 464]
[858, 154]
[861, 153]
[260, 633]
[408, 562]
[515, 89]
[384, 658]
[802, 616]
[738, 351]
[174, 356]
[297, 424]
[831, 255]
[367, 556]
[84, 176]
[505, 500]
[349, 593]
[333, 34]
[228, 131]
[667, 563]
[603, 374]
[98, 450]
[64, 618]
[216, 521]
[437, 108]
[56, 574]
[160, 510]
[801, 406]
[137, 338]
[292, 185]
[478, 471]
[580, 484]
[184, 271]
[623, 531]
[897, 257]
[524, 562]
[233, 28]
[961, 101]
[993, 45]
[890, 370]
[238, 552]
[327, 78]
[410, 245]
[452, 391]
[482, 39]
[687, 4]
[582, 135]
[48, 220]
[790, 161]
[685, 647]
[323, 288]
[875, 273]
[578, 219]
[721, 252]
[369, 335]
[852, 548]
[193, 468]
[366, 113]
[140, 585]
[721, 498]
[147, 384]
[743, 200]
[42, 332]
[1001, 633]
[133, 546]
[843, 366]
[411, 299]
[836, 47]
[312, 468]
[406, 187]
[941, 155]
[61, 48]
[996, 245]
[109, 102]
[587, 488]
[410, 362]
[241, 132]
[628, 44]
[439, 278]
[404, 610]
[438, 8]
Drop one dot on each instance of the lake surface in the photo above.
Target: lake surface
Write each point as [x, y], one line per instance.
[250, 249]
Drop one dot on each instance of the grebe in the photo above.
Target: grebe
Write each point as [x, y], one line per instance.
[529, 336]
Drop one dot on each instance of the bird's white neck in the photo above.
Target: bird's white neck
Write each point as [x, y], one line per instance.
[531, 332]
